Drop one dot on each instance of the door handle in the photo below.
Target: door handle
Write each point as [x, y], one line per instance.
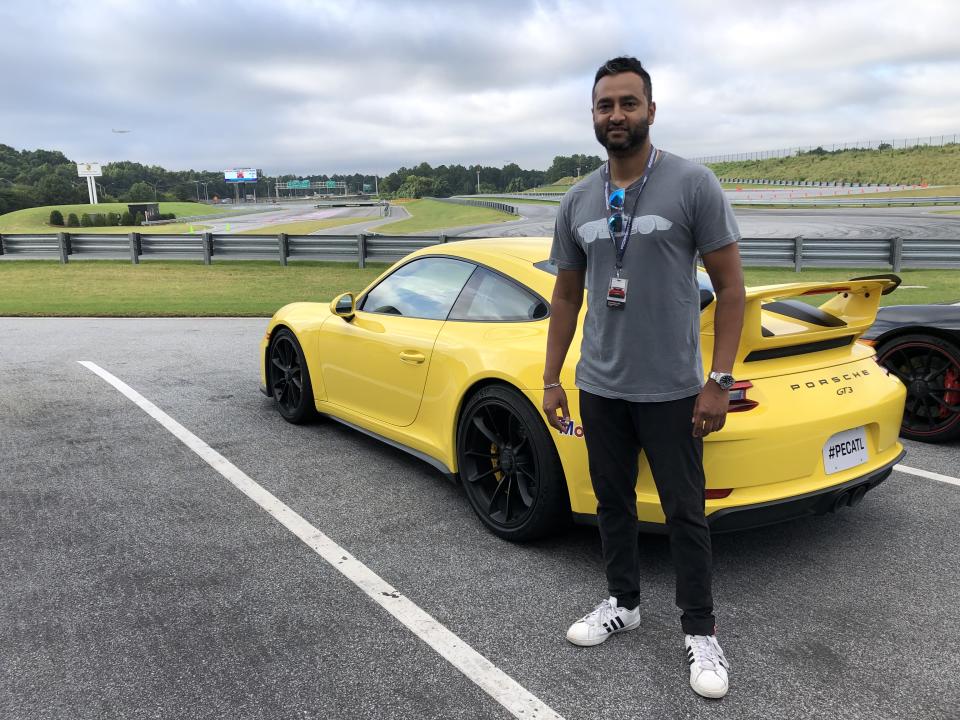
[409, 356]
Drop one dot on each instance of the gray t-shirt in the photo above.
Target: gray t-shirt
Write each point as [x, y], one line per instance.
[648, 351]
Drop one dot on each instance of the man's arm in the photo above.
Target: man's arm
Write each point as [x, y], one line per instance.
[726, 274]
[564, 310]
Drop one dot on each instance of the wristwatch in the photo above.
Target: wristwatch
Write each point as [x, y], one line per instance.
[724, 380]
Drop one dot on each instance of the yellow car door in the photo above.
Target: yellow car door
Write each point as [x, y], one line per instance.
[376, 363]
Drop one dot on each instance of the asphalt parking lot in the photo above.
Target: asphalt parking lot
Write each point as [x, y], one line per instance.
[137, 582]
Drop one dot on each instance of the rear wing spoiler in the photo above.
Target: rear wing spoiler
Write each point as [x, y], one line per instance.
[802, 327]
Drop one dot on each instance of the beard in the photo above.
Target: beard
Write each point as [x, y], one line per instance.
[632, 141]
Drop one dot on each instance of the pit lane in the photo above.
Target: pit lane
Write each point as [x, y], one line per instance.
[138, 583]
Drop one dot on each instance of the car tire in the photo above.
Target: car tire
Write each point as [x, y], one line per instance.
[288, 379]
[929, 367]
[509, 466]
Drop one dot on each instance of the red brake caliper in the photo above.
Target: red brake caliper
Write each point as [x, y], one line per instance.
[951, 382]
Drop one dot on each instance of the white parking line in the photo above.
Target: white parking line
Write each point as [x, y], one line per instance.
[496, 683]
[927, 474]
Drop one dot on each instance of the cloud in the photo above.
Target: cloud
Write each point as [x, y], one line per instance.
[311, 87]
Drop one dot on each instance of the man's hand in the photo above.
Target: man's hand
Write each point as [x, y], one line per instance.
[556, 399]
[710, 411]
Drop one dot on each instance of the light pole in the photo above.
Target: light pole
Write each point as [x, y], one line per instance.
[154, 189]
[197, 183]
[206, 197]
[478, 179]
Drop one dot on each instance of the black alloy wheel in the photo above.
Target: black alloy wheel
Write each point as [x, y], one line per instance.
[929, 366]
[288, 378]
[509, 466]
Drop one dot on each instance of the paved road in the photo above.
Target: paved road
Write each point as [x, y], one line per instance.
[288, 214]
[538, 220]
[138, 583]
[841, 223]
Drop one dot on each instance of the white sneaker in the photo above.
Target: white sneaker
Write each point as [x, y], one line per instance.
[708, 666]
[602, 622]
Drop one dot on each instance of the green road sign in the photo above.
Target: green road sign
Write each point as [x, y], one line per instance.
[331, 183]
[367, 187]
[298, 184]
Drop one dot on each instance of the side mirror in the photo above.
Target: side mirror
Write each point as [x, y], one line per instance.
[342, 305]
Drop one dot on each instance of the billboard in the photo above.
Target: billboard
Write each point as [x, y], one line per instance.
[89, 170]
[243, 175]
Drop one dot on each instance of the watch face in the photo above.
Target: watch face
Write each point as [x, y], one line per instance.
[724, 380]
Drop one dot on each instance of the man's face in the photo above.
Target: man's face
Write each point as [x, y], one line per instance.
[621, 114]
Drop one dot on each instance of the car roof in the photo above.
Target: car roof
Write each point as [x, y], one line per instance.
[531, 249]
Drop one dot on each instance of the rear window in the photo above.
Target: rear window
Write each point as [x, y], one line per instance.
[491, 297]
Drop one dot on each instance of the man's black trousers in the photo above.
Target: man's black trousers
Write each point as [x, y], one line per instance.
[615, 432]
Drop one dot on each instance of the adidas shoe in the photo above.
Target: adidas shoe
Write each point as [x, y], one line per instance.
[605, 620]
[708, 666]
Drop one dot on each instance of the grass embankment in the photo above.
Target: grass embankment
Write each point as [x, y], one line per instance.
[909, 166]
[257, 288]
[522, 201]
[434, 215]
[107, 288]
[34, 220]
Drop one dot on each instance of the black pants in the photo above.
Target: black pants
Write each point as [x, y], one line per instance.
[615, 432]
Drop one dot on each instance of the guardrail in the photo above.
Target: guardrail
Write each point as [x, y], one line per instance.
[799, 252]
[492, 204]
[846, 201]
[864, 200]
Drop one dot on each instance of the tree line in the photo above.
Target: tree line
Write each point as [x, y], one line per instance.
[31, 178]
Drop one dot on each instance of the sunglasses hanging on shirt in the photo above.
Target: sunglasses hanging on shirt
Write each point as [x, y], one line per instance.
[617, 290]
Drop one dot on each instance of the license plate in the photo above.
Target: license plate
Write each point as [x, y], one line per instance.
[845, 450]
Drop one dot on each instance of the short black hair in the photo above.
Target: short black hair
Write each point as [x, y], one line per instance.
[621, 65]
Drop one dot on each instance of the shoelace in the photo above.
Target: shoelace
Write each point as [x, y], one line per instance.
[606, 610]
[707, 652]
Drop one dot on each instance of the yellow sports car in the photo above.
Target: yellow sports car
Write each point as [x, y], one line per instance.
[442, 356]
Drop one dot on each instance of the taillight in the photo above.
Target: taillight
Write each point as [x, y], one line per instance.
[738, 397]
[718, 494]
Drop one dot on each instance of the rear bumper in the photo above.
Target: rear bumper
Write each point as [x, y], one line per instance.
[746, 517]
[820, 502]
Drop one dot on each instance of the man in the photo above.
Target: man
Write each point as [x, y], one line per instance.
[631, 230]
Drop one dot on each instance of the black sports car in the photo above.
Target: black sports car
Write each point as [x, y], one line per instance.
[920, 344]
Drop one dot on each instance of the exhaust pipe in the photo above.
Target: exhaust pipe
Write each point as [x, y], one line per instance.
[857, 495]
[842, 500]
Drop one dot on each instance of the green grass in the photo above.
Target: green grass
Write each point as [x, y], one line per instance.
[910, 166]
[107, 288]
[521, 201]
[304, 227]
[940, 285]
[434, 215]
[34, 220]
[550, 188]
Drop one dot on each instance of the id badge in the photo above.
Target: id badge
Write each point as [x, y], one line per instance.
[617, 293]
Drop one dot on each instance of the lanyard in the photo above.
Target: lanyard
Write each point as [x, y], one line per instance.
[620, 247]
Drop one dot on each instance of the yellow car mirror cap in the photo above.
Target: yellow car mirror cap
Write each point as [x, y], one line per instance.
[343, 305]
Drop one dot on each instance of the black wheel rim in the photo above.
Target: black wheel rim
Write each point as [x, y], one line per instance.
[499, 466]
[286, 374]
[932, 378]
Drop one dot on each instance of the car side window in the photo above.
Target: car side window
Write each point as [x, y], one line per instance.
[492, 297]
[425, 288]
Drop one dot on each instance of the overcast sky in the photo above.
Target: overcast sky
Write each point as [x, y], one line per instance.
[322, 87]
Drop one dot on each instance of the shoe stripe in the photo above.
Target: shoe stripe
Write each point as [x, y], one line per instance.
[619, 622]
